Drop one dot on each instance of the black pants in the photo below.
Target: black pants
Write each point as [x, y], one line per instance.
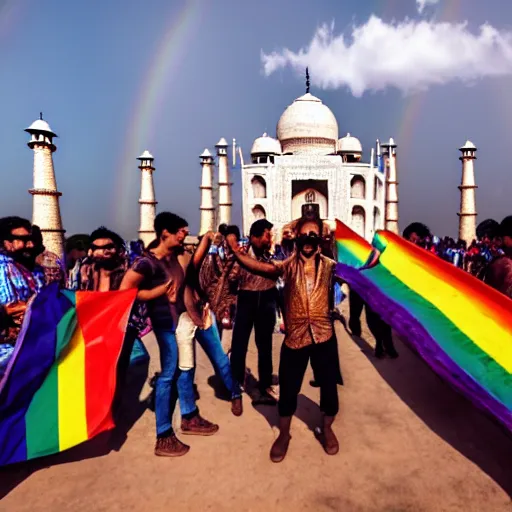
[292, 368]
[380, 330]
[258, 310]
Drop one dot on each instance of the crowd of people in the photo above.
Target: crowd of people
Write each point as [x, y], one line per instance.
[193, 294]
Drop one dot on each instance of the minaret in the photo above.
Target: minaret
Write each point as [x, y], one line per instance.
[391, 219]
[147, 198]
[224, 183]
[207, 208]
[467, 214]
[46, 209]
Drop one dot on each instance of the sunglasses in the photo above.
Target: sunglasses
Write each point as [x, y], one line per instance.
[311, 234]
[107, 247]
[21, 238]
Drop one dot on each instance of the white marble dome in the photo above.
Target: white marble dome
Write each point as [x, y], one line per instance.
[349, 144]
[40, 126]
[308, 126]
[266, 145]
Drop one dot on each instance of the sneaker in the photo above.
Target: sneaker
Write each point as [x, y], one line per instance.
[237, 407]
[170, 446]
[198, 426]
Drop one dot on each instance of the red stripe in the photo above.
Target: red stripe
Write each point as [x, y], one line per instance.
[103, 318]
[497, 305]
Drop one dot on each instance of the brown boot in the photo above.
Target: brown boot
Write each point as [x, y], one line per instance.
[198, 426]
[170, 446]
[237, 407]
[280, 446]
[328, 438]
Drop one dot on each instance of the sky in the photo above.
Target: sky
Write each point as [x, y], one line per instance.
[114, 78]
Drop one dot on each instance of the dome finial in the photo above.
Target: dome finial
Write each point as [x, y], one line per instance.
[41, 116]
[307, 80]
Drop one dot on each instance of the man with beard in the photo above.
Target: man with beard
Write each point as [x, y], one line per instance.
[256, 307]
[499, 273]
[20, 279]
[308, 277]
[159, 276]
[103, 271]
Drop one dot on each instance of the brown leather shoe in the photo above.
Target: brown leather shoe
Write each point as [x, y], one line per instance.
[170, 446]
[331, 444]
[280, 447]
[198, 426]
[237, 407]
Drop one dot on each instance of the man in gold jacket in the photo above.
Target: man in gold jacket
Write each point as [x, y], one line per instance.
[308, 277]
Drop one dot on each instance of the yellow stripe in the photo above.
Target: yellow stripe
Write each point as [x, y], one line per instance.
[72, 414]
[465, 313]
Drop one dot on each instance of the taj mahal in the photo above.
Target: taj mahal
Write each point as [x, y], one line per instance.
[306, 163]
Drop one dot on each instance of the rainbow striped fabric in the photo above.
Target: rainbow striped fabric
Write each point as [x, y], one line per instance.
[58, 389]
[458, 324]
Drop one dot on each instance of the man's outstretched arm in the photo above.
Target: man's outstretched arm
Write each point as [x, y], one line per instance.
[250, 263]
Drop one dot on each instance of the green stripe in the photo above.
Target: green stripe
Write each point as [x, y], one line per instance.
[459, 347]
[42, 417]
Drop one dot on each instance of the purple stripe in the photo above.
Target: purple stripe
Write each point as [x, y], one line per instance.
[35, 354]
[416, 335]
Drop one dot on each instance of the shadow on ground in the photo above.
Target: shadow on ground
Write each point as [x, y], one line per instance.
[131, 410]
[450, 415]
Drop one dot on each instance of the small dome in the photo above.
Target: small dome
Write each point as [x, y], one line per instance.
[205, 154]
[40, 126]
[222, 143]
[145, 156]
[308, 126]
[469, 145]
[266, 145]
[349, 144]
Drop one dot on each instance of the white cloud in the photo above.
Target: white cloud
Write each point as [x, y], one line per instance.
[421, 4]
[409, 55]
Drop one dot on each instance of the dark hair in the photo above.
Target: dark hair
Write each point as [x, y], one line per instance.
[169, 221]
[488, 227]
[233, 230]
[306, 219]
[416, 227]
[258, 227]
[80, 242]
[37, 239]
[152, 245]
[103, 232]
[506, 226]
[223, 228]
[8, 224]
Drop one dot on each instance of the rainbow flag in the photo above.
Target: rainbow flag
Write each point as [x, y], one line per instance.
[58, 389]
[460, 326]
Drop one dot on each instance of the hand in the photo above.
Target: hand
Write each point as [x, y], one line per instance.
[232, 242]
[171, 290]
[16, 310]
[210, 235]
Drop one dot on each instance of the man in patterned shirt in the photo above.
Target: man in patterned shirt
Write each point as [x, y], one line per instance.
[17, 283]
[308, 283]
[256, 307]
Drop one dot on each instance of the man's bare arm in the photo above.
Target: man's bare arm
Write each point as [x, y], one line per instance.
[250, 263]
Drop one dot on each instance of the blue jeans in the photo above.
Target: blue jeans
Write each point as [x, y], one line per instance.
[165, 388]
[209, 339]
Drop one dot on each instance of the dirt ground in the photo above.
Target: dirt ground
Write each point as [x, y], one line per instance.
[408, 443]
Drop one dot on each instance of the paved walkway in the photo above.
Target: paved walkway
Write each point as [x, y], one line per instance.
[408, 443]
